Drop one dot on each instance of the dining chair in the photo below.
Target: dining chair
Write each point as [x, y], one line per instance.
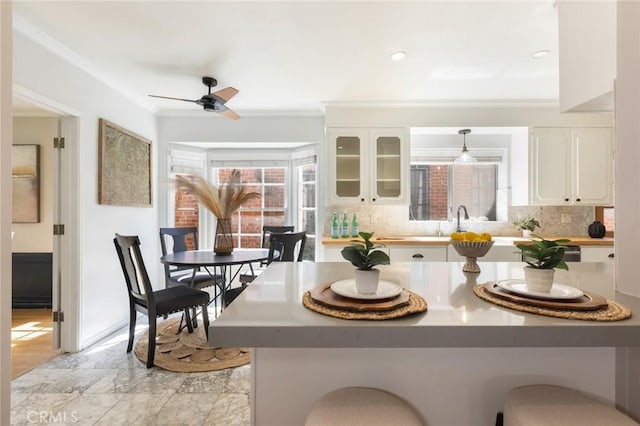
[287, 247]
[247, 276]
[154, 303]
[183, 239]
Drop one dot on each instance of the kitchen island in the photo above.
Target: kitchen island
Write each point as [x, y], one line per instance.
[454, 363]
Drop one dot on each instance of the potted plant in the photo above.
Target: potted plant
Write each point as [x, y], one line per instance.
[542, 257]
[364, 255]
[527, 225]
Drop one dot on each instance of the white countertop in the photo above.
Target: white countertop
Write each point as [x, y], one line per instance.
[270, 312]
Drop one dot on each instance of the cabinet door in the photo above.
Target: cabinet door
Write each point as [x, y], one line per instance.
[593, 151]
[389, 166]
[551, 166]
[597, 254]
[348, 171]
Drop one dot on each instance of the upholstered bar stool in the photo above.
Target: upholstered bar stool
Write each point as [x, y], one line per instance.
[546, 405]
[358, 406]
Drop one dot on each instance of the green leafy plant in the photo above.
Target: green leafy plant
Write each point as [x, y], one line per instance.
[544, 254]
[363, 254]
[527, 223]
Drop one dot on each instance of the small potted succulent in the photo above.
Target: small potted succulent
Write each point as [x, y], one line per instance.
[364, 255]
[527, 225]
[542, 257]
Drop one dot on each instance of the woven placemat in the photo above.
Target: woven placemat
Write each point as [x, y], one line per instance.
[188, 352]
[613, 312]
[416, 304]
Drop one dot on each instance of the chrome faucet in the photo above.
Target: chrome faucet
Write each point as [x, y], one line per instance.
[466, 216]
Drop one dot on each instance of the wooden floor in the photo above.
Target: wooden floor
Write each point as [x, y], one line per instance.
[31, 339]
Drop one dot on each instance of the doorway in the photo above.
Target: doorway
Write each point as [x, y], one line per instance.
[35, 337]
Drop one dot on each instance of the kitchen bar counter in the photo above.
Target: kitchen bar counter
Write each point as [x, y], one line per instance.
[416, 240]
[461, 349]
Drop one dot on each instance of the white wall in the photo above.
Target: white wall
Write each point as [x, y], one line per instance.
[37, 237]
[96, 289]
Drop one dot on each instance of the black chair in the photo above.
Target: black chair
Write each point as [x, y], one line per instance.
[287, 247]
[248, 276]
[154, 303]
[186, 275]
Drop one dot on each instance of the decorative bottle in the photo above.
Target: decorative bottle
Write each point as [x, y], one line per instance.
[354, 226]
[335, 226]
[345, 226]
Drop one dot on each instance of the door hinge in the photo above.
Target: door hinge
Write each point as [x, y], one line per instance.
[58, 229]
[58, 142]
[58, 316]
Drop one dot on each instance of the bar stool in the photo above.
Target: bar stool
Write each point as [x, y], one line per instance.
[546, 405]
[359, 406]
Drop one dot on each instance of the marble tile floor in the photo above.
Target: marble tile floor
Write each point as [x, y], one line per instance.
[103, 385]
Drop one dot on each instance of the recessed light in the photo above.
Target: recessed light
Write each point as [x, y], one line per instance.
[399, 55]
[540, 54]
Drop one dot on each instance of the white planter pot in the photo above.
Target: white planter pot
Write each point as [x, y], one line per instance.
[367, 281]
[540, 280]
[526, 233]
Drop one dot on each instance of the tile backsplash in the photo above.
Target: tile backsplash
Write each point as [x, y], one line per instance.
[394, 220]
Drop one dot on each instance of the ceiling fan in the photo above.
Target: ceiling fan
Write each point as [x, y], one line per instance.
[212, 101]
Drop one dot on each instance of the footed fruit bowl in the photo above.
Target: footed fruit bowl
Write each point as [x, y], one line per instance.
[472, 250]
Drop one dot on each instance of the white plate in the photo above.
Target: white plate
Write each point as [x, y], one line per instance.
[557, 292]
[347, 288]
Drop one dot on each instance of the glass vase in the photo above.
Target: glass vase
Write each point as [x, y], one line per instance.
[223, 243]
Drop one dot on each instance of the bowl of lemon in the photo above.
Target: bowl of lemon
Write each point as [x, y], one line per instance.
[472, 246]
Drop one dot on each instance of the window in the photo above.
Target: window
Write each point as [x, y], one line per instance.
[306, 176]
[606, 215]
[270, 209]
[437, 189]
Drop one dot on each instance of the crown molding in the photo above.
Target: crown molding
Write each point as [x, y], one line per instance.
[27, 29]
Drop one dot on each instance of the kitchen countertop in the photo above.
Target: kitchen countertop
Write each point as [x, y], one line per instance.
[417, 240]
[269, 313]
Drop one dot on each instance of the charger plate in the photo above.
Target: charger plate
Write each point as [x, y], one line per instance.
[325, 295]
[613, 311]
[415, 304]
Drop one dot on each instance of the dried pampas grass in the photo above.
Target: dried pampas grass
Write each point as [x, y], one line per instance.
[222, 201]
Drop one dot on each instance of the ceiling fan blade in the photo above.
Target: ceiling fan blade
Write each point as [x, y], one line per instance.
[230, 114]
[175, 99]
[226, 94]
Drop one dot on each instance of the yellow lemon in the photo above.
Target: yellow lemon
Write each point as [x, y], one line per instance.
[470, 236]
[485, 236]
[456, 236]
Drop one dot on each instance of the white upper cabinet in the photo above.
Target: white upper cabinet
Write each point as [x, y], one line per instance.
[368, 166]
[571, 166]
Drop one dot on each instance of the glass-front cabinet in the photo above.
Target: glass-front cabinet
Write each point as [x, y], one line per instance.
[368, 165]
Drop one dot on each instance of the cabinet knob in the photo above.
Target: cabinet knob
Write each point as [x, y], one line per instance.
[362, 199]
[611, 255]
[578, 199]
[566, 199]
[417, 256]
[373, 199]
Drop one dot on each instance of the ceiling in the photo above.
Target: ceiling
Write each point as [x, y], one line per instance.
[299, 56]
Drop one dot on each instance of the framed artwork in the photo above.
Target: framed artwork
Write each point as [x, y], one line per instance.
[25, 183]
[124, 172]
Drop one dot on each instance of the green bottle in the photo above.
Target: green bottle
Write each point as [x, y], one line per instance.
[345, 226]
[354, 226]
[335, 226]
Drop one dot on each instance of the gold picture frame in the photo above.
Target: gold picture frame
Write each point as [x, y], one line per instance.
[124, 172]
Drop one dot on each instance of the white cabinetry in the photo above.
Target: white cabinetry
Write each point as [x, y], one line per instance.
[368, 166]
[596, 254]
[571, 166]
[418, 253]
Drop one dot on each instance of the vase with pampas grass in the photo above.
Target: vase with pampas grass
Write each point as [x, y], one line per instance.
[222, 201]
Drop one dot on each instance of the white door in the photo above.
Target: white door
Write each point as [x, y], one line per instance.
[594, 166]
[550, 171]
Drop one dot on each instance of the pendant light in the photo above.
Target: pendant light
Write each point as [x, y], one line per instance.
[465, 157]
